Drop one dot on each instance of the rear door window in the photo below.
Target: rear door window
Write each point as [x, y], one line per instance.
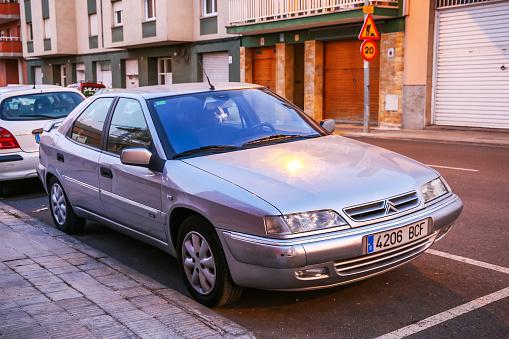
[128, 127]
[39, 106]
[87, 129]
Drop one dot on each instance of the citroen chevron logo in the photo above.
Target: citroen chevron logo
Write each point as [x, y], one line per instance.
[390, 207]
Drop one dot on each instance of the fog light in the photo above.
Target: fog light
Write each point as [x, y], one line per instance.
[443, 232]
[312, 273]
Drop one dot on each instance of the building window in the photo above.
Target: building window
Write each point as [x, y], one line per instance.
[117, 14]
[92, 25]
[47, 29]
[30, 32]
[164, 71]
[149, 9]
[209, 7]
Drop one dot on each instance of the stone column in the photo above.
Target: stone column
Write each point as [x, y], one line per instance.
[246, 65]
[284, 71]
[391, 80]
[313, 79]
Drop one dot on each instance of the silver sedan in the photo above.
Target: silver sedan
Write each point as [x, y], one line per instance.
[240, 185]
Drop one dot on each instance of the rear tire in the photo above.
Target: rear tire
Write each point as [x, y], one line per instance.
[61, 210]
[203, 264]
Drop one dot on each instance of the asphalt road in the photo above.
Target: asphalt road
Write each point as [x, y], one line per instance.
[436, 287]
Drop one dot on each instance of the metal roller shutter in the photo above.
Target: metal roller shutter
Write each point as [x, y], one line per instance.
[472, 67]
[344, 82]
[264, 67]
[216, 65]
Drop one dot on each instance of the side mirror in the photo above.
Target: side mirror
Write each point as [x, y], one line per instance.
[329, 125]
[136, 156]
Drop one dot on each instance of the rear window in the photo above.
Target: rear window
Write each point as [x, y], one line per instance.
[39, 106]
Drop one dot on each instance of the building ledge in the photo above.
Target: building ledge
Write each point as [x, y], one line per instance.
[304, 22]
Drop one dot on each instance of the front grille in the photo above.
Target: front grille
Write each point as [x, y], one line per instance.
[380, 208]
[385, 259]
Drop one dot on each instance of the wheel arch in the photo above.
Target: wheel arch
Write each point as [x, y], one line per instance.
[177, 217]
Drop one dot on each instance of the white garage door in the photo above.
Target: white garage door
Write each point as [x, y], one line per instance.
[472, 66]
[216, 65]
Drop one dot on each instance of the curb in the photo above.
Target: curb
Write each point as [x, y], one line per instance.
[193, 320]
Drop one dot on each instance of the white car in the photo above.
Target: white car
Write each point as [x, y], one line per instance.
[24, 110]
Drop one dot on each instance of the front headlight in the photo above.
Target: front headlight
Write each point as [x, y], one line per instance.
[303, 222]
[434, 189]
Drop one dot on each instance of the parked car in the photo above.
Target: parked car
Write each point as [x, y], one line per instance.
[104, 90]
[244, 188]
[24, 110]
[88, 88]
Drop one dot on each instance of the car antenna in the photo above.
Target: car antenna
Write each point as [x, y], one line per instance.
[211, 86]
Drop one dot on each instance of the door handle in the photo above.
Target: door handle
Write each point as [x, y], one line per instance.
[106, 172]
[60, 157]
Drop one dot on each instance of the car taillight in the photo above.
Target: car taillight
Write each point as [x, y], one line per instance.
[7, 140]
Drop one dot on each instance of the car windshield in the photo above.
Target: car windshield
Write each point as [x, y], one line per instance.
[39, 106]
[240, 118]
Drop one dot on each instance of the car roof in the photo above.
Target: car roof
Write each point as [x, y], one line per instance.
[157, 91]
[30, 89]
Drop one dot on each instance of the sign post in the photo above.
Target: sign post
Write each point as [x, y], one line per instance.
[368, 52]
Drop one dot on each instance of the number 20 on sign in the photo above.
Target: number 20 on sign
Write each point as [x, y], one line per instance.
[368, 50]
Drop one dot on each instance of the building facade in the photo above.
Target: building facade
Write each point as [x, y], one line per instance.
[128, 43]
[12, 66]
[440, 62]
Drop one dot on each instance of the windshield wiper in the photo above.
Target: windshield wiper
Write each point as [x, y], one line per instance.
[37, 116]
[206, 149]
[279, 137]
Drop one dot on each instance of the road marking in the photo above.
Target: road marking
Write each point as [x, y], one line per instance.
[457, 311]
[455, 168]
[447, 315]
[469, 261]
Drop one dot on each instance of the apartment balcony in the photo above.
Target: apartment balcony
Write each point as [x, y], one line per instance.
[9, 11]
[10, 47]
[265, 16]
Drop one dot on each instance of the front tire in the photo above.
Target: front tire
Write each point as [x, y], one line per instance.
[203, 264]
[61, 210]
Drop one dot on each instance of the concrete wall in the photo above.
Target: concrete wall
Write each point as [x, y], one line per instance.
[222, 21]
[418, 74]
[63, 25]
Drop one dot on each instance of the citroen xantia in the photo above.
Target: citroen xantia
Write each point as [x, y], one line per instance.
[244, 188]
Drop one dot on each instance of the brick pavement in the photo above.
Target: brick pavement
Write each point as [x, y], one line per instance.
[53, 286]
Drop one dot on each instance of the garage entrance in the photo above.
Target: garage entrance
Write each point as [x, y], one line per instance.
[264, 67]
[343, 87]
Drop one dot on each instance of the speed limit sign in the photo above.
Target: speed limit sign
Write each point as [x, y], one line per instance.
[368, 50]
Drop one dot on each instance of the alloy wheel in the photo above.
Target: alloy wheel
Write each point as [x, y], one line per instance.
[58, 204]
[199, 263]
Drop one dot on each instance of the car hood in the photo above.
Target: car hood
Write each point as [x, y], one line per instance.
[329, 172]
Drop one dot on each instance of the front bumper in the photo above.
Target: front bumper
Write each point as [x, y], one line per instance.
[18, 165]
[264, 263]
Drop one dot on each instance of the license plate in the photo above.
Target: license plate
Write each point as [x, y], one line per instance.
[389, 239]
[37, 138]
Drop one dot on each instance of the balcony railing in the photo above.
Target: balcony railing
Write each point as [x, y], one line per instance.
[244, 12]
[9, 7]
[10, 45]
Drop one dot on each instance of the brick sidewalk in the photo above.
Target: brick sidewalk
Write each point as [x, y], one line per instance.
[53, 286]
